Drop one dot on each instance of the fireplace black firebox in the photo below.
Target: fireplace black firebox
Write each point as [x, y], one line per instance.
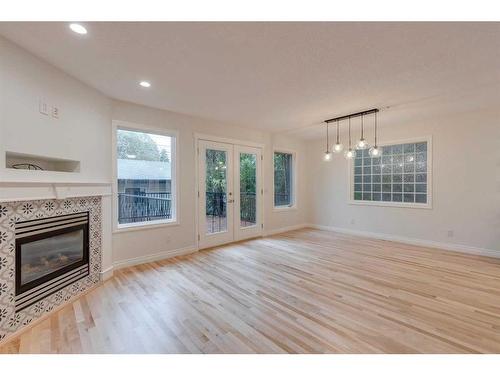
[51, 253]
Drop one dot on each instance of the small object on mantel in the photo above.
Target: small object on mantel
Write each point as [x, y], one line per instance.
[31, 162]
[32, 167]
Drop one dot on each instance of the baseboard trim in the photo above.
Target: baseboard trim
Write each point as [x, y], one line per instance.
[285, 229]
[412, 241]
[154, 257]
[107, 273]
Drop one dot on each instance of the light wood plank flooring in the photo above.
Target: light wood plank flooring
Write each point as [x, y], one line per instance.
[306, 291]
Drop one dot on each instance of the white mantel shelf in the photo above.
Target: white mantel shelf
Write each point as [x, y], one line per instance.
[33, 190]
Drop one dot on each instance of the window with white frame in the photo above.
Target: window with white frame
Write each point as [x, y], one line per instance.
[283, 179]
[145, 177]
[399, 177]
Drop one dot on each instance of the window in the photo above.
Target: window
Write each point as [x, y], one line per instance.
[398, 177]
[146, 177]
[283, 179]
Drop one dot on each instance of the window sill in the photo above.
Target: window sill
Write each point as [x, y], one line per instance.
[284, 208]
[427, 206]
[145, 226]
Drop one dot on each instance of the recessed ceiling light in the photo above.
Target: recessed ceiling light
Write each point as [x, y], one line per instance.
[145, 84]
[77, 28]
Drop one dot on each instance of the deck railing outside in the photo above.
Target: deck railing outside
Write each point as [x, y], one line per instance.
[216, 206]
[248, 207]
[139, 207]
[282, 199]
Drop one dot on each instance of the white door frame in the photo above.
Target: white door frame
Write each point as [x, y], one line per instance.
[206, 137]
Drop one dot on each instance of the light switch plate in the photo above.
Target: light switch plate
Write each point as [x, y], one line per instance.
[55, 112]
[43, 107]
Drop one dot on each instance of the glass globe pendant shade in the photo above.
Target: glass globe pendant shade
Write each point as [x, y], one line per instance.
[327, 156]
[375, 152]
[338, 147]
[362, 144]
[350, 154]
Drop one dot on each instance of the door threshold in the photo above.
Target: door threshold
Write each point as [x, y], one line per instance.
[232, 242]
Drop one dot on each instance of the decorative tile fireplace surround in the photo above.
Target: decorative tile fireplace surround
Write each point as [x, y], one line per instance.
[30, 230]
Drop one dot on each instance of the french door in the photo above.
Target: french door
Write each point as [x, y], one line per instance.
[230, 193]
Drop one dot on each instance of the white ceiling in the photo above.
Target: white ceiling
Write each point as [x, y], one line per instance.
[276, 76]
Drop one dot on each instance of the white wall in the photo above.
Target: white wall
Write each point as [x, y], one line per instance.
[288, 218]
[81, 132]
[150, 241]
[466, 184]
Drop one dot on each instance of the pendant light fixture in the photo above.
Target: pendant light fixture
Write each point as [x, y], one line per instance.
[375, 151]
[328, 154]
[337, 147]
[350, 153]
[362, 144]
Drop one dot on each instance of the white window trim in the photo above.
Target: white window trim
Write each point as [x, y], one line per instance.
[294, 205]
[427, 205]
[124, 125]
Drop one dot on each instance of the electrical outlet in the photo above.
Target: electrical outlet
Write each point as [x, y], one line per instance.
[43, 107]
[55, 112]
[353, 221]
[451, 233]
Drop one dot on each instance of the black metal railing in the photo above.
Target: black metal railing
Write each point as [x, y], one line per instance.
[282, 199]
[215, 209]
[140, 207]
[247, 208]
[216, 206]
[216, 203]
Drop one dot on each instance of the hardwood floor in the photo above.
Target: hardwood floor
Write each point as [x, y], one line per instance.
[306, 291]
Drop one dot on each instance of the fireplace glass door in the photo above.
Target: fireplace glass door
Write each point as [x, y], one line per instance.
[51, 253]
[45, 256]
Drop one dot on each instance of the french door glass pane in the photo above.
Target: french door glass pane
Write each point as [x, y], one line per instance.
[216, 191]
[248, 181]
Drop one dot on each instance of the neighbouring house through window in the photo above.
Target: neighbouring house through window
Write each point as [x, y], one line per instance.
[283, 179]
[399, 176]
[145, 172]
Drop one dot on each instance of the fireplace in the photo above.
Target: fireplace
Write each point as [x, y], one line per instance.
[51, 253]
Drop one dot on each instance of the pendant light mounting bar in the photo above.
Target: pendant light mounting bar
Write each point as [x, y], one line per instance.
[358, 114]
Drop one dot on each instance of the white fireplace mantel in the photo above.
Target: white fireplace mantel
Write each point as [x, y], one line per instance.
[30, 190]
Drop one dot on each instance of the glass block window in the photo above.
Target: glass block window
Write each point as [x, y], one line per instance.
[399, 175]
